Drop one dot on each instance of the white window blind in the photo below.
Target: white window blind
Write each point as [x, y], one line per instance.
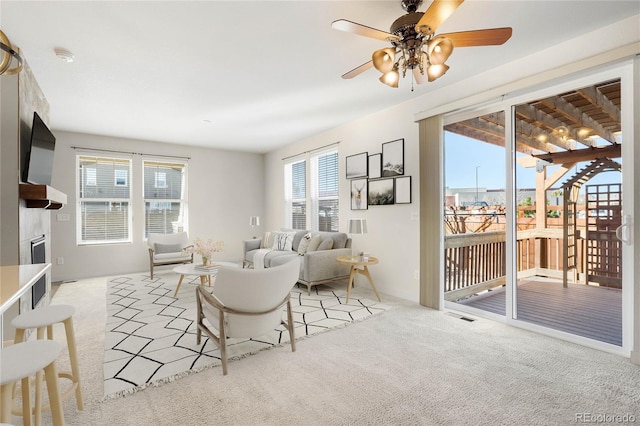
[104, 200]
[164, 196]
[324, 194]
[319, 197]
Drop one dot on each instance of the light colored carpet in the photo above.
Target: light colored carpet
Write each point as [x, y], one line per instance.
[151, 335]
[409, 366]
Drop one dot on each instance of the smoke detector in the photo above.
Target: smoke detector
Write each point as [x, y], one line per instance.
[64, 55]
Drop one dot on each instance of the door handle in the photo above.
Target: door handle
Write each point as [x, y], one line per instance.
[623, 232]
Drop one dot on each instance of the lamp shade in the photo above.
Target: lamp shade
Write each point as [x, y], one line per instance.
[254, 221]
[439, 50]
[391, 78]
[383, 59]
[357, 226]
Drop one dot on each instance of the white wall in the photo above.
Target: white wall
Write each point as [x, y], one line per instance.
[225, 188]
[393, 234]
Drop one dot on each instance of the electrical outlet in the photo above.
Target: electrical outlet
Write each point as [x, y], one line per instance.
[60, 261]
[63, 217]
[416, 274]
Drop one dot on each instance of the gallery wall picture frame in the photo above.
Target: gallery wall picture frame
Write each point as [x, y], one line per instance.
[381, 192]
[356, 165]
[375, 166]
[402, 190]
[359, 194]
[393, 158]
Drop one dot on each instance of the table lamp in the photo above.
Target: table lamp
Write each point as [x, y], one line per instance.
[254, 221]
[357, 226]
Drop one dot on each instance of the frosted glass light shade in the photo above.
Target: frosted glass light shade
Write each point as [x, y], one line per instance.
[357, 226]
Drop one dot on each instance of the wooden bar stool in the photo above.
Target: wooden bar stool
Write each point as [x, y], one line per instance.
[18, 363]
[44, 318]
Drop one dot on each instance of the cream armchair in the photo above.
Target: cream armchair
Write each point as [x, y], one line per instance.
[246, 303]
[167, 249]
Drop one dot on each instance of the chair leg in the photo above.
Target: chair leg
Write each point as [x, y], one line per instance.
[223, 344]
[290, 326]
[198, 317]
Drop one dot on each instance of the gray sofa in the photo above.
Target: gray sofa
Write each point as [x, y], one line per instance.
[316, 267]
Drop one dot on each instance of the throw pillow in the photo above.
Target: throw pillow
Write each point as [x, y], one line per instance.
[326, 244]
[283, 240]
[304, 244]
[267, 240]
[314, 243]
[167, 248]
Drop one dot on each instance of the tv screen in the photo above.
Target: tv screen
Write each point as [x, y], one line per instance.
[39, 160]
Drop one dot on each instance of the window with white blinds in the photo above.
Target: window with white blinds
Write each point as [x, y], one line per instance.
[320, 170]
[104, 200]
[165, 201]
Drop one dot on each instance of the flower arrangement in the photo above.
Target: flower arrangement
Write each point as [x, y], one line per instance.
[205, 248]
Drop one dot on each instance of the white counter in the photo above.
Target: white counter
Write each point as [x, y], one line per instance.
[16, 280]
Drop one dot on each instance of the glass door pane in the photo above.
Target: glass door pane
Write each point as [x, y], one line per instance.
[569, 204]
[474, 175]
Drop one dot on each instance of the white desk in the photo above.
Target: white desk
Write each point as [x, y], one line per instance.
[16, 280]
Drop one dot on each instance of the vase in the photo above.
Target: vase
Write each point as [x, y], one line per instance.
[205, 260]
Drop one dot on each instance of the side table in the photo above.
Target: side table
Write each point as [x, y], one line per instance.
[359, 266]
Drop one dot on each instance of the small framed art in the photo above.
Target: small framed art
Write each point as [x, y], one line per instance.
[375, 166]
[381, 192]
[403, 190]
[359, 194]
[357, 165]
[393, 158]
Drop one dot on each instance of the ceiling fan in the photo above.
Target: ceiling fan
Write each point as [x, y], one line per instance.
[415, 46]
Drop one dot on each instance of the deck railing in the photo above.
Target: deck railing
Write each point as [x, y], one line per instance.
[475, 262]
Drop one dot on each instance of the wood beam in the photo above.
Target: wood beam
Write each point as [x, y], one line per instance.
[596, 97]
[557, 175]
[569, 111]
[578, 155]
[533, 132]
[544, 120]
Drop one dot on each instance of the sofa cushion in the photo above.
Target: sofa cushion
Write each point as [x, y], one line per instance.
[283, 240]
[167, 248]
[316, 239]
[326, 244]
[304, 243]
[267, 240]
[297, 238]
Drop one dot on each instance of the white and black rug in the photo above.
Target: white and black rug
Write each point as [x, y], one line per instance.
[151, 336]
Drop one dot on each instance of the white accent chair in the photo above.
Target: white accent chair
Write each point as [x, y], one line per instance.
[246, 303]
[167, 249]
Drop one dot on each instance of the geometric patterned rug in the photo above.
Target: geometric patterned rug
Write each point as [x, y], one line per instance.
[151, 337]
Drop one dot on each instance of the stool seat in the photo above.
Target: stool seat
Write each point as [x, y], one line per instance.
[17, 363]
[43, 316]
[26, 359]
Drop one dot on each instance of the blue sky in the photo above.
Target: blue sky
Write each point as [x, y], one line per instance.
[462, 155]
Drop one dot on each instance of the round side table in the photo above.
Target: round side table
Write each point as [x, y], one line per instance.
[359, 266]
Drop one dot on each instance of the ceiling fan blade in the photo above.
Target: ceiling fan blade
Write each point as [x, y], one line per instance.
[436, 14]
[363, 30]
[490, 37]
[358, 70]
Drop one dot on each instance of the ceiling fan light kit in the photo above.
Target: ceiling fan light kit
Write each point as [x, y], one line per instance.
[416, 47]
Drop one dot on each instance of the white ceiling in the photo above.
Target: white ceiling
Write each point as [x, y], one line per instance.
[250, 75]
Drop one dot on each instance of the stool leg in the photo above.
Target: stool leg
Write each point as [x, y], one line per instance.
[51, 375]
[26, 403]
[6, 402]
[73, 359]
[38, 403]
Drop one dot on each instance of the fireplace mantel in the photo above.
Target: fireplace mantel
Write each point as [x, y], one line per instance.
[42, 196]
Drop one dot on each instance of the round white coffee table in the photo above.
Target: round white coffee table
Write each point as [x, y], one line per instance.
[205, 276]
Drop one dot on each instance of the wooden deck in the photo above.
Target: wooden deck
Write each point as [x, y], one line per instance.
[587, 311]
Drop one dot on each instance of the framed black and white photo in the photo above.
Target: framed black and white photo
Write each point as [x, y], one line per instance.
[375, 166]
[393, 158]
[357, 165]
[359, 194]
[381, 192]
[403, 190]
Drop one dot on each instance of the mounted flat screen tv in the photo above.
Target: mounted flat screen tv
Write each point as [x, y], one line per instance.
[38, 166]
